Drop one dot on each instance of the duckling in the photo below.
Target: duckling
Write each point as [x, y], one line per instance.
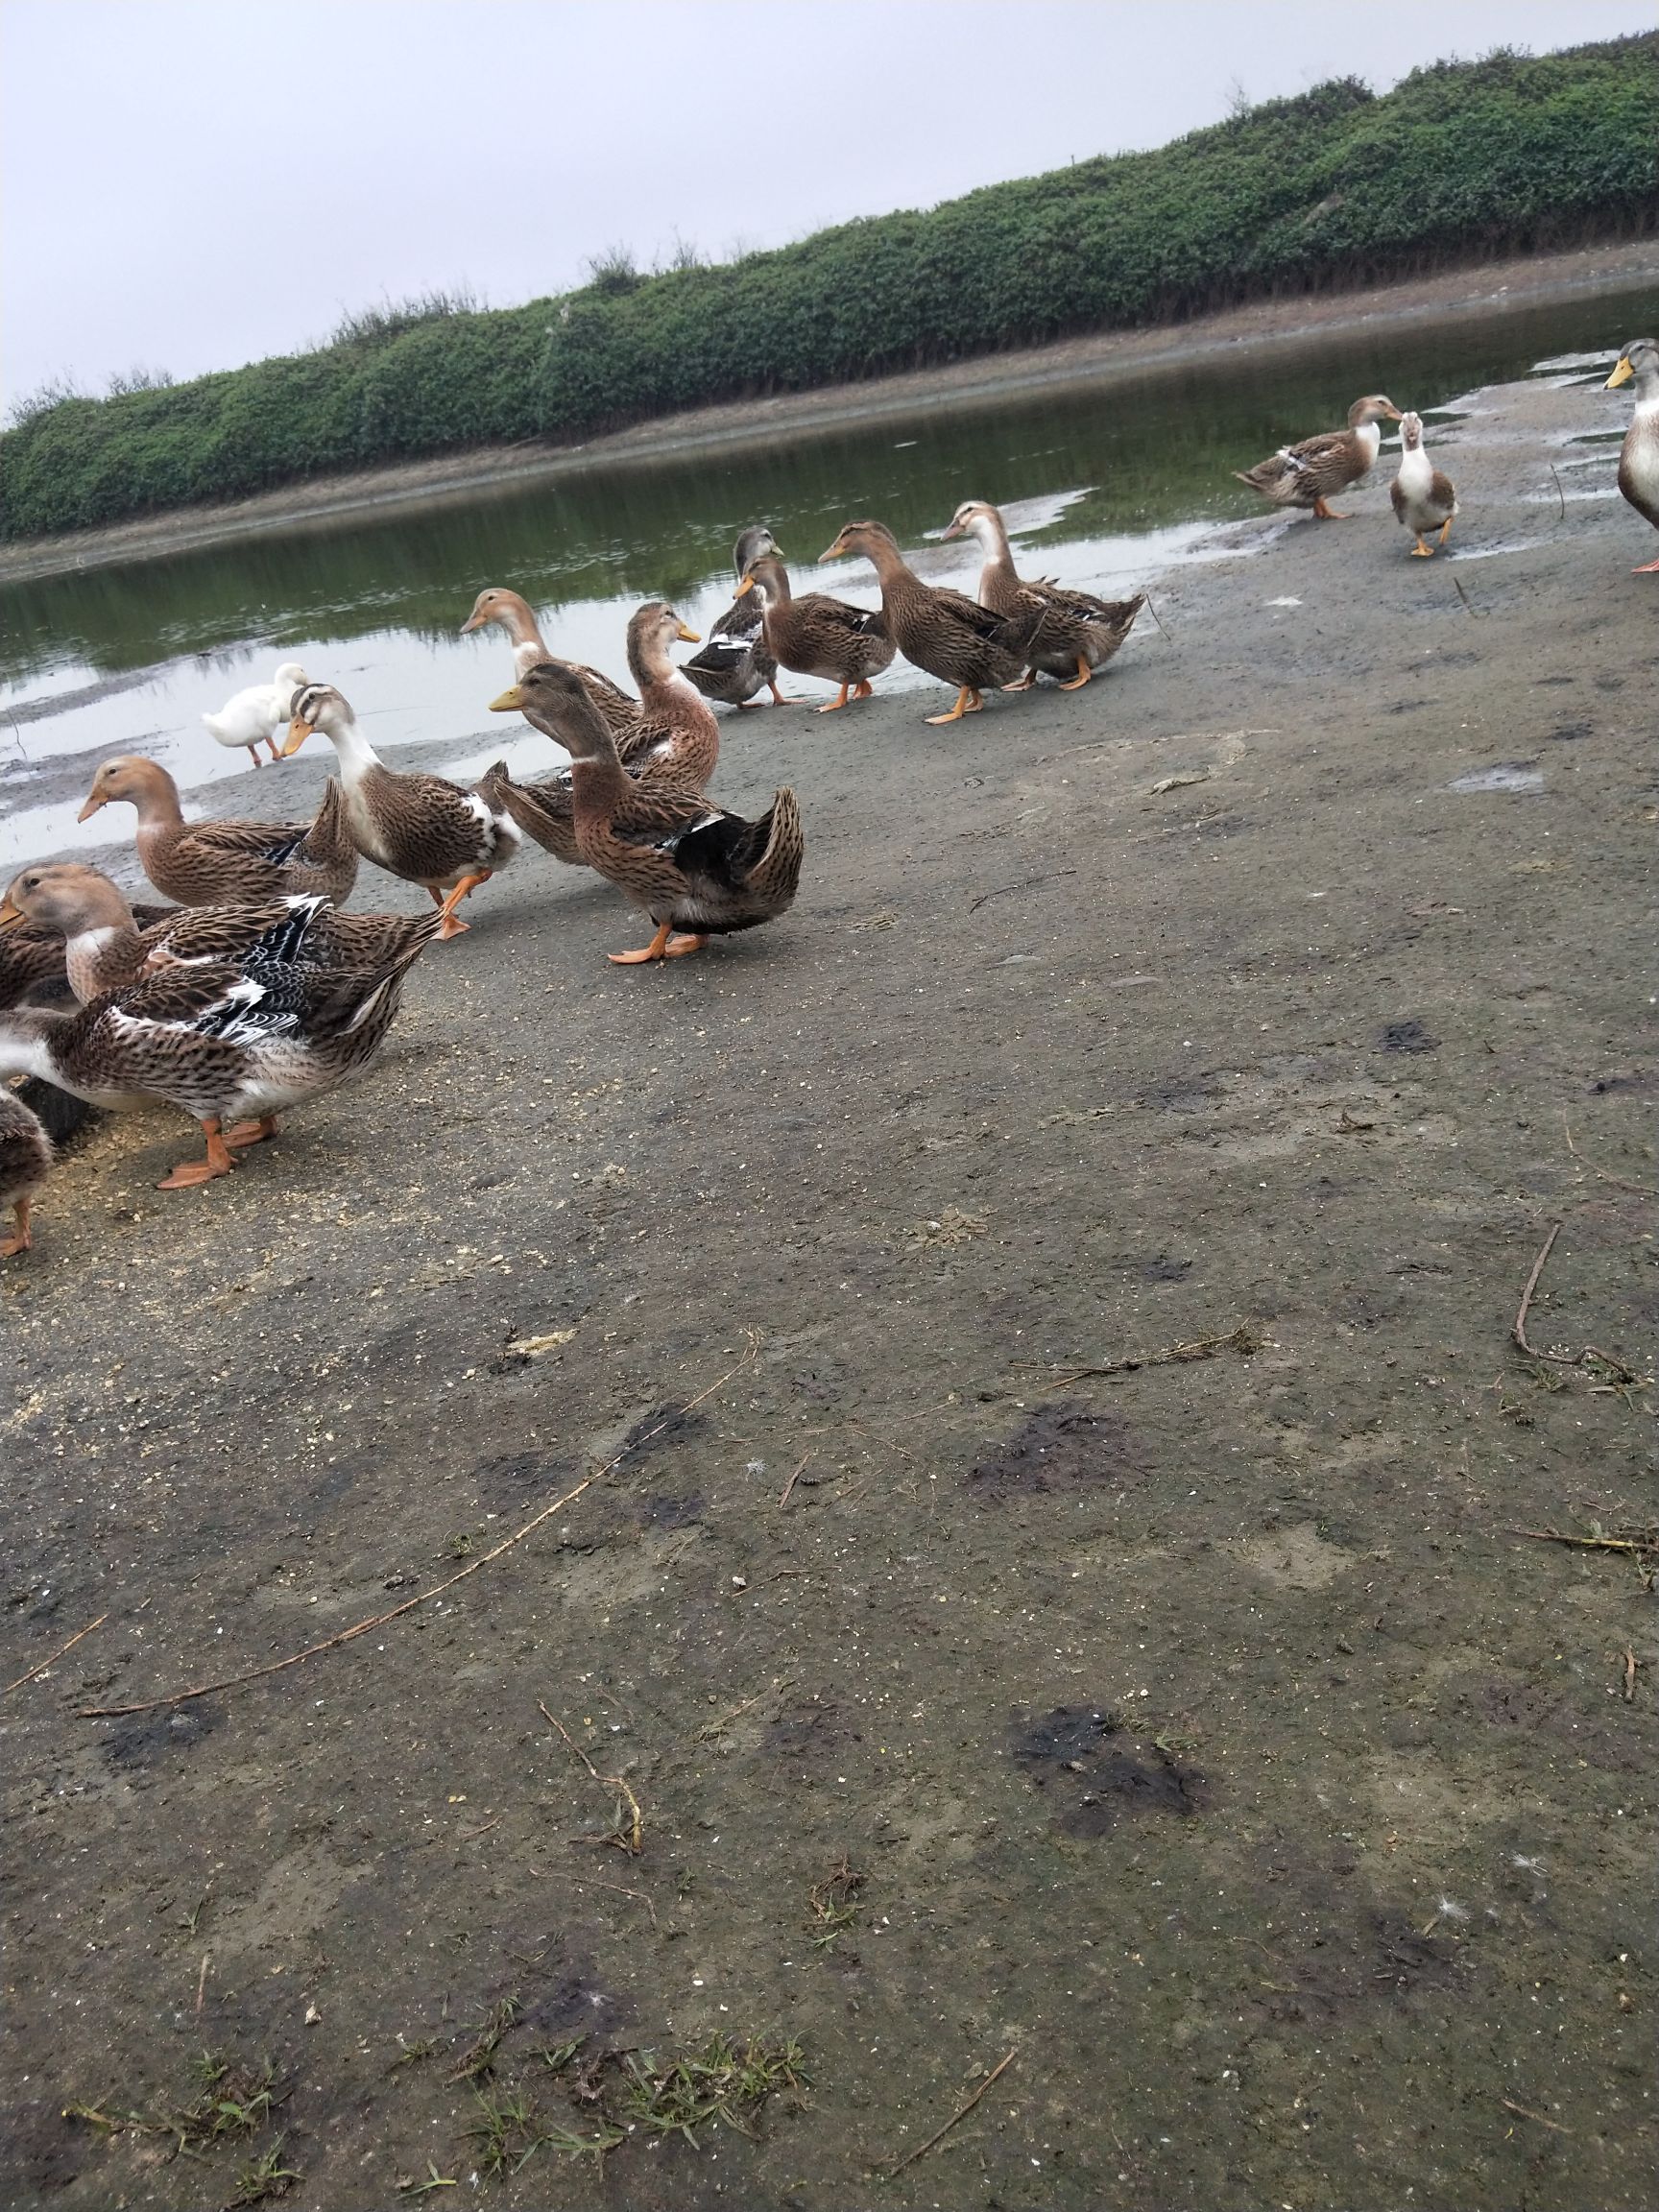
[251, 717]
[104, 947]
[697, 870]
[1423, 498]
[737, 662]
[816, 634]
[423, 828]
[1078, 632]
[945, 634]
[507, 611]
[204, 863]
[245, 1038]
[1638, 455]
[1313, 472]
[25, 1163]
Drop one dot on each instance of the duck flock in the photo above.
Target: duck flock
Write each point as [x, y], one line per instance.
[254, 991]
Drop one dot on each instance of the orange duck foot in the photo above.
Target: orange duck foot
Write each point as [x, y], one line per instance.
[655, 950]
[1025, 684]
[452, 924]
[253, 1132]
[839, 699]
[1647, 569]
[189, 1172]
[968, 702]
[22, 1241]
[1325, 513]
[1421, 552]
[1083, 675]
[784, 698]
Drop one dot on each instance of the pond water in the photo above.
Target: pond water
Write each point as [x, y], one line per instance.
[1106, 486]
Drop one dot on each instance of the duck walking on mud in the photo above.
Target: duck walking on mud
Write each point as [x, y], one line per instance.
[816, 634]
[1313, 472]
[1638, 455]
[203, 863]
[737, 663]
[1077, 635]
[1423, 498]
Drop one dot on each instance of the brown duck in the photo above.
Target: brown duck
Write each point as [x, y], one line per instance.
[222, 1040]
[697, 870]
[204, 863]
[1077, 635]
[737, 663]
[102, 947]
[423, 828]
[816, 634]
[25, 1163]
[508, 611]
[945, 634]
[1311, 472]
[674, 725]
[1638, 455]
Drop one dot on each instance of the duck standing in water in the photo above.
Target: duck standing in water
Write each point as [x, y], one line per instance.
[1311, 472]
[1639, 456]
[1424, 499]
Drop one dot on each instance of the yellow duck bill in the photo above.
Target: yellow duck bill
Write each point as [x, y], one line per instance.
[1622, 374]
[297, 732]
[510, 702]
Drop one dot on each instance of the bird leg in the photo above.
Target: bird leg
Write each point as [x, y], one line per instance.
[1420, 551]
[189, 1172]
[21, 1241]
[655, 950]
[968, 702]
[1647, 569]
[1025, 684]
[864, 688]
[677, 946]
[839, 699]
[781, 699]
[449, 925]
[1082, 677]
[1325, 513]
[1446, 529]
[253, 1132]
[257, 757]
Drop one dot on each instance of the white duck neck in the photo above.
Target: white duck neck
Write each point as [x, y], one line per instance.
[356, 755]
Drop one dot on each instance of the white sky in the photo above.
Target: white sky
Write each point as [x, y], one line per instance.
[190, 184]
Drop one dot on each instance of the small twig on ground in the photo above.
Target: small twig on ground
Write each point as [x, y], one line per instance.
[1561, 495]
[1153, 611]
[1631, 1663]
[1615, 1367]
[56, 1656]
[1029, 884]
[631, 1839]
[712, 1728]
[1509, 2106]
[472, 1834]
[1641, 1190]
[1464, 596]
[424, 1597]
[616, 1890]
[202, 1981]
[1639, 1543]
[783, 1498]
[961, 2114]
[1244, 1338]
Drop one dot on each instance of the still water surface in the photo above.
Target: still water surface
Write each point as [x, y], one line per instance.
[1107, 488]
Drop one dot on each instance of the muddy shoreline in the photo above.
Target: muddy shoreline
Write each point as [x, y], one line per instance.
[1207, 1732]
[1488, 288]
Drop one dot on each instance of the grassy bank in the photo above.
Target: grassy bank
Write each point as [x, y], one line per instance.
[1335, 188]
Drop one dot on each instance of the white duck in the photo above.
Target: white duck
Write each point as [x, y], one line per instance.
[258, 712]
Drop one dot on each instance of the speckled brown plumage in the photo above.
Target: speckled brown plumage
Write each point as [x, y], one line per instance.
[510, 611]
[204, 863]
[1076, 634]
[1314, 469]
[944, 633]
[675, 727]
[25, 1163]
[693, 867]
[736, 663]
[819, 635]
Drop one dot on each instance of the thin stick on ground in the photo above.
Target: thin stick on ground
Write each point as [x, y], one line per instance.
[1028, 884]
[1509, 2106]
[423, 1597]
[202, 1981]
[783, 1498]
[961, 2114]
[1615, 1367]
[1244, 1338]
[1641, 1190]
[585, 1882]
[631, 1839]
[1639, 1545]
[56, 1656]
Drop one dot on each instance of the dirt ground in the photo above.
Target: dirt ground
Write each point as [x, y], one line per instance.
[1207, 1735]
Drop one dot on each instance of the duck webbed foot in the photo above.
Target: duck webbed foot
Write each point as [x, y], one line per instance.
[1084, 675]
[968, 702]
[1324, 513]
[21, 1240]
[189, 1172]
[452, 923]
[1023, 683]
[839, 701]
[253, 1132]
[784, 698]
[1420, 551]
[657, 949]
[679, 946]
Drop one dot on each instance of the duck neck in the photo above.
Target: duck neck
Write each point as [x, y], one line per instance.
[1415, 466]
[599, 785]
[890, 566]
[157, 805]
[356, 755]
[1647, 388]
[998, 564]
[88, 954]
[1369, 436]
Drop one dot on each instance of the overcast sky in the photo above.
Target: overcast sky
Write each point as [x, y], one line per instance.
[189, 184]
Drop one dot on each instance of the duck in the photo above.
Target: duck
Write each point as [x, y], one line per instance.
[737, 663]
[25, 1163]
[508, 611]
[945, 634]
[1423, 498]
[31, 962]
[251, 1036]
[1079, 633]
[1638, 455]
[424, 829]
[698, 871]
[674, 726]
[204, 863]
[1311, 472]
[251, 718]
[102, 946]
[816, 634]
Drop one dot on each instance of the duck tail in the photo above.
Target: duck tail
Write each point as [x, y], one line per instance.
[776, 875]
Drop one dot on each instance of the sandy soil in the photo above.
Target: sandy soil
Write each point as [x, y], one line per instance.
[1492, 288]
[1207, 1735]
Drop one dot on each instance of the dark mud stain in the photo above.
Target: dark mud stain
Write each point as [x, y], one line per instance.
[1566, 730]
[1179, 1094]
[808, 1737]
[148, 1737]
[1385, 1957]
[1630, 1079]
[1079, 1754]
[662, 1429]
[1062, 1448]
[670, 1512]
[518, 1478]
[564, 1993]
[41, 2152]
[1406, 1037]
[1160, 1267]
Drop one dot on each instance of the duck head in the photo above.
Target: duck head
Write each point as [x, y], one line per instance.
[289, 679]
[872, 541]
[1410, 432]
[318, 706]
[651, 630]
[754, 543]
[64, 897]
[144, 783]
[1374, 408]
[552, 697]
[507, 609]
[978, 518]
[1640, 359]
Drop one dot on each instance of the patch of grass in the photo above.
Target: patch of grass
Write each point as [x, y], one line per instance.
[832, 1906]
[232, 2097]
[412, 2054]
[676, 2096]
[557, 2056]
[506, 2131]
[479, 2056]
[264, 2178]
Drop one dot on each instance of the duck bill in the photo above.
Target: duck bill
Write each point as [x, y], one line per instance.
[687, 636]
[297, 732]
[744, 588]
[510, 702]
[836, 552]
[1621, 376]
[93, 803]
[952, 530]
[472, 622]
[9, 915]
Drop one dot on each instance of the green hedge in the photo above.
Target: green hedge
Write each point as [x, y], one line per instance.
[1336, 187]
